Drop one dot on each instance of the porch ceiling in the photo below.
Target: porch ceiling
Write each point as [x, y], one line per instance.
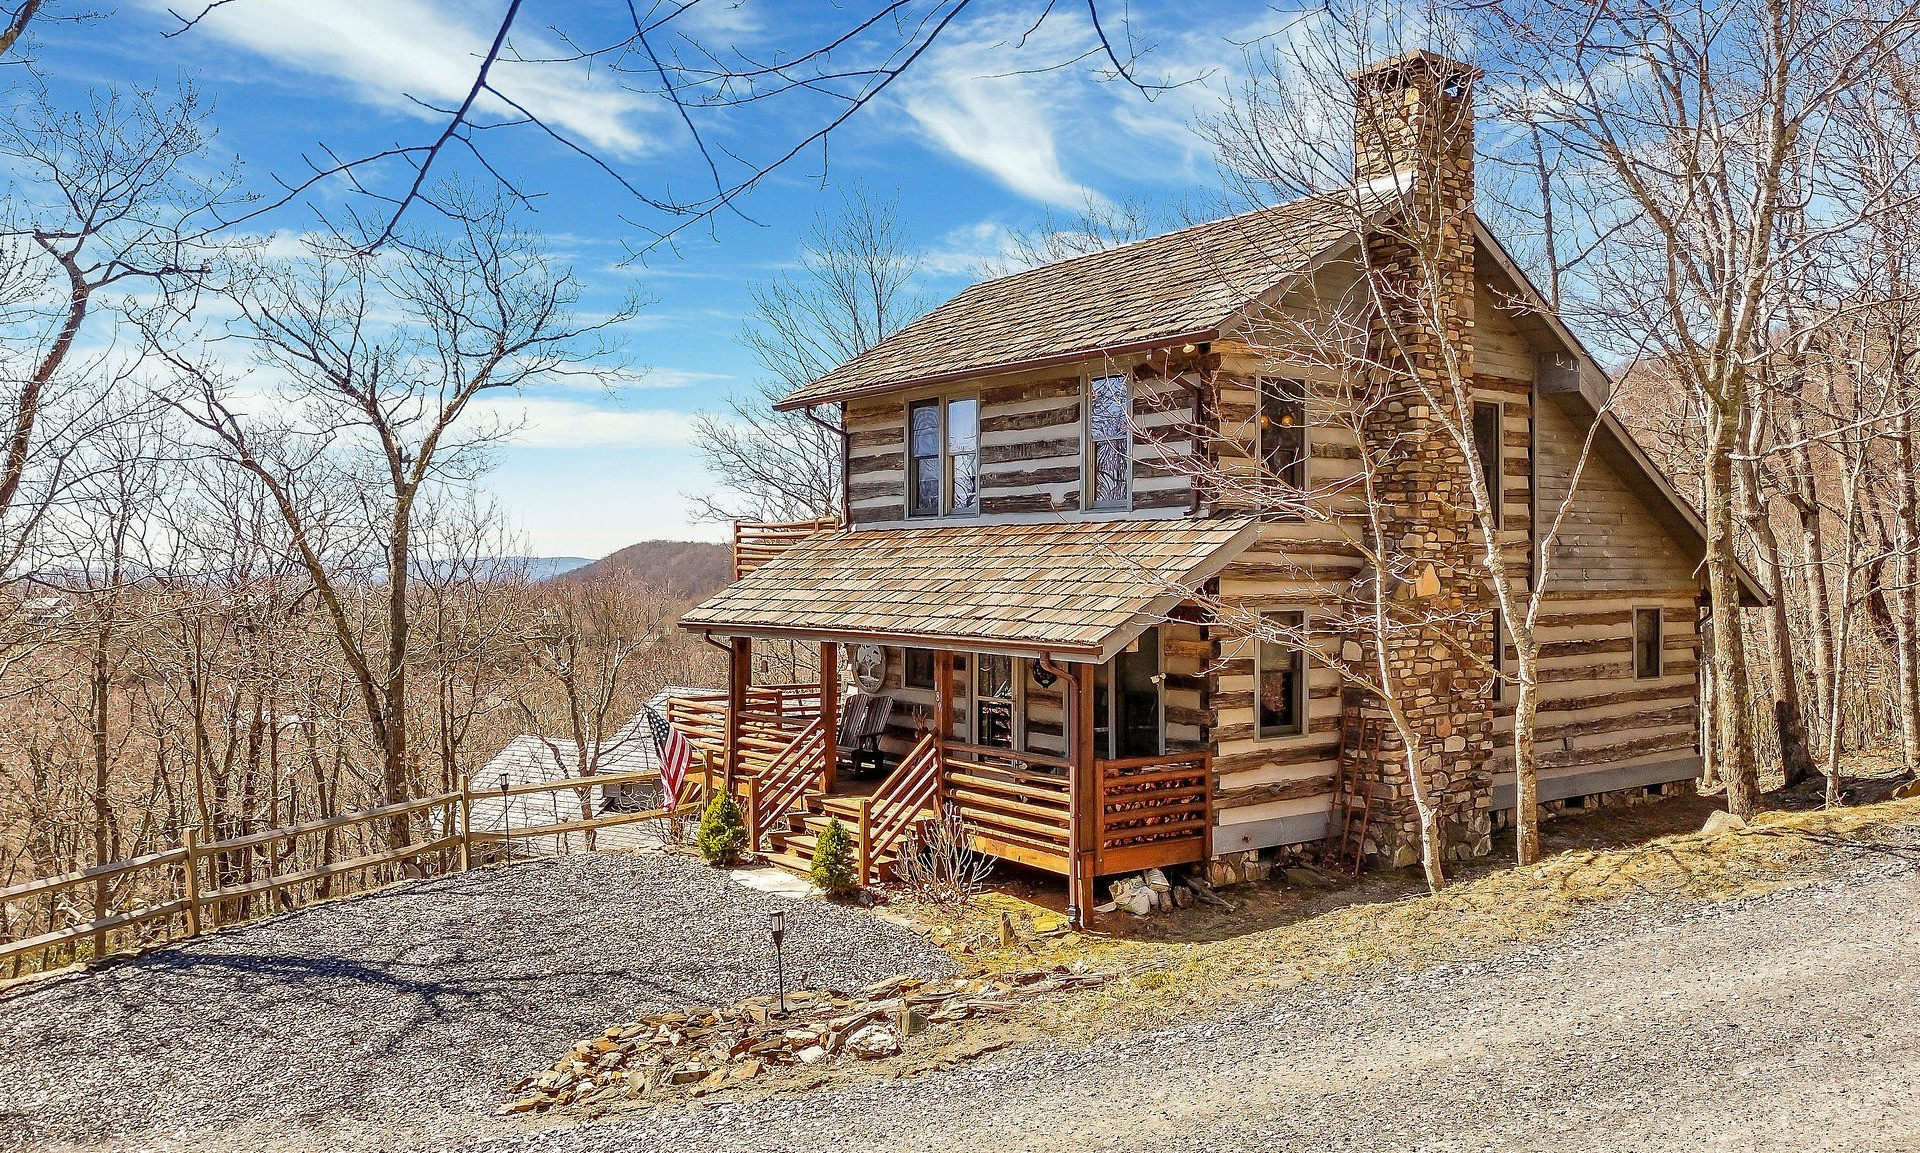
[1080, 591]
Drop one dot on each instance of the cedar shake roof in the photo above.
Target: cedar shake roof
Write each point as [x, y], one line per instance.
[1080, 590]
[1184, 286]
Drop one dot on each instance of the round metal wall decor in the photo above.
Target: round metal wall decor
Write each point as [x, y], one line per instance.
[1043, 676]
[870, 668]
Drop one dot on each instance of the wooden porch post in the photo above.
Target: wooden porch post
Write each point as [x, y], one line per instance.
[942, 723]
[830, 712]
[1082, 800]
[739, 675]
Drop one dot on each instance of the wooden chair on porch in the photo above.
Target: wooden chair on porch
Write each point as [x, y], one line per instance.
[862, 719]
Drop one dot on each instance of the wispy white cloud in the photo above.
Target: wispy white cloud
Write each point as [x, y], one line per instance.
[556, 422]
[386, 51]
[970, 102]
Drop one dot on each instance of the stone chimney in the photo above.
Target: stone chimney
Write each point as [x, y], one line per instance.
[1413, 141]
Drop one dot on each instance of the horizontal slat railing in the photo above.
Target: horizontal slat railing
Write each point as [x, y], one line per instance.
[1153, 811]
[1016, 804]
[757, 542]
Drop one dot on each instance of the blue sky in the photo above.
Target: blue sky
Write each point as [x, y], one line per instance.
[989, 131]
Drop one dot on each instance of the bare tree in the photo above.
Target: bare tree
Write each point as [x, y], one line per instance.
[1715, 166]
[108, 199]
[853, 289]
[381, 363]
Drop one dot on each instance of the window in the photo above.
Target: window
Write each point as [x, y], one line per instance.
[1647, 643]
[1126, 701]
[1283, 432]
[1486, 443]
[943, 456]
[1110, 440]
[923, 458]
[993, 702]
[917, 669]
[1280, 678]
[963, 455]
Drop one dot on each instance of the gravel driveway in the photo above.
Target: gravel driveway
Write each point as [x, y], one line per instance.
[1784, 1023]
[1780, 1023]
[397, 1020]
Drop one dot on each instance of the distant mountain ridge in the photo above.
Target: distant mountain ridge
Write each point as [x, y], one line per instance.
[687, 568]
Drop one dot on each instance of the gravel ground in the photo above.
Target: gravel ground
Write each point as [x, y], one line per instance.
[396, 1021]
[1781, 1023]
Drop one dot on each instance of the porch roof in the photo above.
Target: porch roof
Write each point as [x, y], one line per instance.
[1080, 590]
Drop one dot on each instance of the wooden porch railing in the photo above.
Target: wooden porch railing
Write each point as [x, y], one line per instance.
[1152, 812]
[757, 542]
[901, 802]
[781, 788]
[1016, 804]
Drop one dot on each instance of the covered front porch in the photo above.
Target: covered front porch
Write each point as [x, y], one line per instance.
[1061, 767]
[1044, 682]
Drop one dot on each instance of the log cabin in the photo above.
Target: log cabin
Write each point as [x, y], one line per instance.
[1036, 548]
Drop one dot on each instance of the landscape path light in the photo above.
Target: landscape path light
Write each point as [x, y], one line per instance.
[777, 922]
[506, 823]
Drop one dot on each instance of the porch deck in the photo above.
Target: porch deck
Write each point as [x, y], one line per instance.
[1081, 823]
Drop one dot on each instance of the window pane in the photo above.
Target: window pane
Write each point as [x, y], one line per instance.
[926, 486]
[966, 483]
[1486, 443]
[1282, 685]
[918, 669]
[1138, 674]
[963, 425]
[1110, 407]
[1283, 431]
[1646, 642]
[993, 702]
[925, 420]
[1109, 472]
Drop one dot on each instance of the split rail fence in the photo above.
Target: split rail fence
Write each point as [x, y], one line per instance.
[174, 894]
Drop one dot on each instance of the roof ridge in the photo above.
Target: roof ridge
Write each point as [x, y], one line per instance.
[1131, 244]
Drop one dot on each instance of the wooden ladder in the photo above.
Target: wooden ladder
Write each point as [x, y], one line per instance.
[1351, 810]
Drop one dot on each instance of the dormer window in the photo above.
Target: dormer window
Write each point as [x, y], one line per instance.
[1110, 441]
[943, 456]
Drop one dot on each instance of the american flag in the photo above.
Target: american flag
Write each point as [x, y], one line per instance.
[675, 754]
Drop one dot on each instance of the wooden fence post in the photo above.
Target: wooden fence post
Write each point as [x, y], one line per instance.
[102, 902]
[753, 813]
[190, 840]
[466, 826]
[866, 841]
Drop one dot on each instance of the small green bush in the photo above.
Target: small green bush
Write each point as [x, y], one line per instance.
[723, 833]
[835, 864]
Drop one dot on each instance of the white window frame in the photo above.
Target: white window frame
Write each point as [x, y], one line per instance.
[1305, 689]
[1088, 445]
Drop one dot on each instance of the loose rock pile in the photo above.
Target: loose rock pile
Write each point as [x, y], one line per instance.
[698, 1051]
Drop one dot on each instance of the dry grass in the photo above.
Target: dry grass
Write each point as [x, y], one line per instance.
[1281, 935]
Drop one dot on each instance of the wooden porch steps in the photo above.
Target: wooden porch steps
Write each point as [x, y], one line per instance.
[793, 849]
